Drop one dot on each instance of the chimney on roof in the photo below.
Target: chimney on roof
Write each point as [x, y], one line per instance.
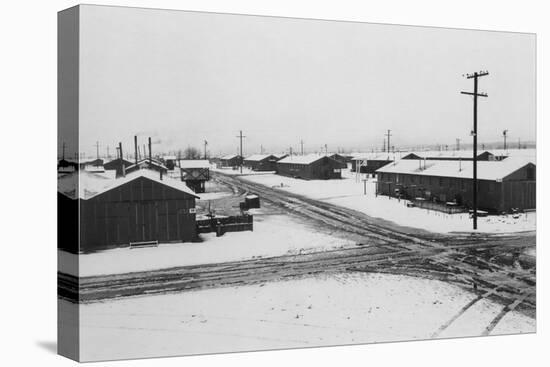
[150, 154]
[123, 167]
[136, 149]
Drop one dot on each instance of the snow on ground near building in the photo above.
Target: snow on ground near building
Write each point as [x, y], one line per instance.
[307, 312]
[273, 235]
[348, 192]
[214, 195]
[245, 172]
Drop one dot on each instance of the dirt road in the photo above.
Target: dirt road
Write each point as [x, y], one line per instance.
[490, 265]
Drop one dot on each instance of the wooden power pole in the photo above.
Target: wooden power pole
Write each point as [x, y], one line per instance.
[504, 134]
[240, 136]
[475, 94]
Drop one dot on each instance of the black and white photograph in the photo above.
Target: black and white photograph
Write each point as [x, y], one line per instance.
[231, 183]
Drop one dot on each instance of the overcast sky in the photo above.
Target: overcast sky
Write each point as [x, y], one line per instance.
[183, 77]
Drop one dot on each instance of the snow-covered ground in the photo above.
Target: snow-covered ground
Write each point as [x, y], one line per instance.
[245, 171]
[349, 192]
[273, 235]
[306, 312]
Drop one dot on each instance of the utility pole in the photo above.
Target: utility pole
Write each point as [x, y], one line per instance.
[241, 149]
[384, 149]
[261, 149]
[457, 144]
[97, 149]
[326, 149]
[205, 144]
[302, 147]
[475, 94]
[388, 134]
[504, 134]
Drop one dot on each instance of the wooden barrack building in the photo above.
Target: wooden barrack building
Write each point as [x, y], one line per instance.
[132, 210]
[502, 185]
[310, 167]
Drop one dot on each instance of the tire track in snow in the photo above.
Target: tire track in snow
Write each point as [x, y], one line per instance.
[502, 313]
[461, 312]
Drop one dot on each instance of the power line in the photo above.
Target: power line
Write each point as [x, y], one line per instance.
[475, 94]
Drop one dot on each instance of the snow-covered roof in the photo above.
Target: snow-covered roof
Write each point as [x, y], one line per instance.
[92, 184]
[229, 156]
[94, 168]
[145, 162]
[451, 154]
[88, 160]
[109, 173]
[194, 163]
[486, 170]
[377, 156]
[302, 159]
[258, 157]
[517, 153]
[169, 157]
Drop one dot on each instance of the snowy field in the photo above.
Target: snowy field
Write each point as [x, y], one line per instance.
[307, 312]
[273, 235]
[349, 192]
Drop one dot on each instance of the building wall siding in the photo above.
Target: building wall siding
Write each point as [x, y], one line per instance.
[493, 196]
[322, 169]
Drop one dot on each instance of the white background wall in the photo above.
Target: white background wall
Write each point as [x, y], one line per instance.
[28, 126]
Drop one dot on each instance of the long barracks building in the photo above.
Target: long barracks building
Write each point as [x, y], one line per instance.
[502, 185]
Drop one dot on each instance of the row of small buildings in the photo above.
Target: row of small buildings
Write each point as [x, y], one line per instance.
[308, 167]
[506, 180]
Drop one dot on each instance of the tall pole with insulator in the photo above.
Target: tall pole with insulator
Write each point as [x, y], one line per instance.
[475, 94]
[240, 136]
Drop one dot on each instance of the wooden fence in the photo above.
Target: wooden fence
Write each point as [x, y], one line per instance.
[221, 225]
